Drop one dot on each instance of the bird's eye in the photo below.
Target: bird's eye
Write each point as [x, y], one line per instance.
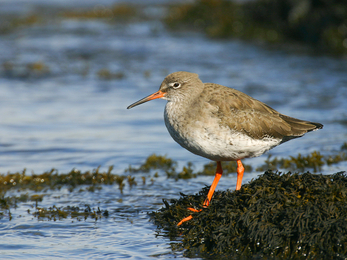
[176, 85]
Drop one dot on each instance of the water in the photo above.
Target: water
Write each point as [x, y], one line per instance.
[65, 116]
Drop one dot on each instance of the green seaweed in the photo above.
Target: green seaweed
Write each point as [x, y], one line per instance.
[56, 213]
[54, 180]
[169, 166]
[154, 162]
[313, 161]
[186, 173]
[276, 216]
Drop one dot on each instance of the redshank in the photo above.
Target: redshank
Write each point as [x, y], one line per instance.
[221, 123]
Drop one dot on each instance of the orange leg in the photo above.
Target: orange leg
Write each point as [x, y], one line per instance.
[217, 177]
[240, 171]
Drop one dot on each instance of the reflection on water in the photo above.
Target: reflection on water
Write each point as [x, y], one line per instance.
[58, 112]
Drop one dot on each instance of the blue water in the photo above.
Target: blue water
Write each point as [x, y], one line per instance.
[65, 116]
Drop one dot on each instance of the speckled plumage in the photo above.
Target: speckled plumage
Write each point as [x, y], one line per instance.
[222, 123]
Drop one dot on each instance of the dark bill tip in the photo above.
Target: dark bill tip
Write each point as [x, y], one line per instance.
[155, 95]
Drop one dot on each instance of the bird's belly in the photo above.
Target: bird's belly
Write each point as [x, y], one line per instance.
[219, 143]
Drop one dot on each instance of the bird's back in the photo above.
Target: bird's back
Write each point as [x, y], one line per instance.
[252, 117]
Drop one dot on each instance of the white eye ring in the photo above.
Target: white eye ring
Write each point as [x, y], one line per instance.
[175, 85]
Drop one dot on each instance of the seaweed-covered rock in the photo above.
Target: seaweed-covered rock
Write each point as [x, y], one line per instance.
[277, 216]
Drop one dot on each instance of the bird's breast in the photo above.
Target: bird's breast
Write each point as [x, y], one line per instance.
[204, 135]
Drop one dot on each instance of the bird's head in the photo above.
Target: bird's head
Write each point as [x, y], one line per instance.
[176, 86]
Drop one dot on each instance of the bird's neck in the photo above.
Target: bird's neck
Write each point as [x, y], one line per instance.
[174, 110]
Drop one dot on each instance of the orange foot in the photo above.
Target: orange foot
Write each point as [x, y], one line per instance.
[219, 172]
[189, 217]
[205, 205]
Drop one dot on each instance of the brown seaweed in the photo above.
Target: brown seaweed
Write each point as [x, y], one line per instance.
[276, 216]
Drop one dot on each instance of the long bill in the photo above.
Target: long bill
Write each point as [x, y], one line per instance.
[158, 94]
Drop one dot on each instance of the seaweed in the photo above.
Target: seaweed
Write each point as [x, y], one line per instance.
[36, 69]
[321, 25]
[313, 161]
[228, 167]
[57, 213]
[154, 162]
[106, 74]
[55, 180]
[95, 179]
[7, 25]
[169, 166]
[276, 216]
[116, 12]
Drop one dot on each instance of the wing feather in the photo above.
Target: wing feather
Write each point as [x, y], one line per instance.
[245, 114]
